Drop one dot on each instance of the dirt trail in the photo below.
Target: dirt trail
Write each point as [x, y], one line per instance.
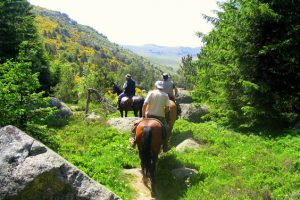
[143, 192]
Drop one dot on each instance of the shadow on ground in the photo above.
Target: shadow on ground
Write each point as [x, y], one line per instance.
[178, 137]
[168, 186]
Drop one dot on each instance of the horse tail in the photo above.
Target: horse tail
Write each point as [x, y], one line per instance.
[146, 154]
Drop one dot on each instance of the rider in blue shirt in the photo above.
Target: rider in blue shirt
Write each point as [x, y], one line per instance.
[129, 88]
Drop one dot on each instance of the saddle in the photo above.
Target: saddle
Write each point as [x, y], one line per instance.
[127, 101]
[164, 128]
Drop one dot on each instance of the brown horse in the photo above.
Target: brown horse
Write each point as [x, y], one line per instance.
[134, 103]
[149, 137]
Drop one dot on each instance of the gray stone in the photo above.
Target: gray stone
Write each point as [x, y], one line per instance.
[30, 170]
[63, 110]
[123, 124]
[184, 172]
[183, 96]
[93, 117]
[188, 143]
[192, 112]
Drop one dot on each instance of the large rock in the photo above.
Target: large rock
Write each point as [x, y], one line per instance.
[29, 170]
[93, 117]
[192, 112]
[123, 124]
[188, 144]
[184, 172]
[63, 110]
[184, 96]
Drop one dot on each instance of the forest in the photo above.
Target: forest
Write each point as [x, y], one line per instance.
[247, 73]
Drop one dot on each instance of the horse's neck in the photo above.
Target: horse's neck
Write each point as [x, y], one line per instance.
[119, 91]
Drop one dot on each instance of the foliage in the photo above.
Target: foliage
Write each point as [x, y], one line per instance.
[187, 71]
[100, 151]
[16, 24]
[20, 104]
[18, 32]
[248, 69]
[67, 86]
[230, 165]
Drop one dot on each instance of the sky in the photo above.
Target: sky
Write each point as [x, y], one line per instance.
[138, 22]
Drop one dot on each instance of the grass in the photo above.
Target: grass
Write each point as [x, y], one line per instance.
[100, 151]
[230, 165]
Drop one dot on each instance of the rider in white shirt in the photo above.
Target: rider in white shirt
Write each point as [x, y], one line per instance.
[157, 105]
[169, 87]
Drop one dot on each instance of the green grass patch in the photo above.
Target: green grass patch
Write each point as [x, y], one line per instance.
[231, 165]
[100, 151]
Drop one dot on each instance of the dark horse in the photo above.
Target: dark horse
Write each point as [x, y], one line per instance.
[149, 138]
[127, 104]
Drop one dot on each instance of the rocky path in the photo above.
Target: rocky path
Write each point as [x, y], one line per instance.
[143, 192]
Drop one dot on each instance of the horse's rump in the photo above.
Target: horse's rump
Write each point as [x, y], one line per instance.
[127, 102]
[156, 130]
[149, 139]
[132, 102]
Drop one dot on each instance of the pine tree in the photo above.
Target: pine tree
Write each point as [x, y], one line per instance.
[249, 67]
[18, 31]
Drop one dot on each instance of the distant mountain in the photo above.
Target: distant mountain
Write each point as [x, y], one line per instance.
[162, 55]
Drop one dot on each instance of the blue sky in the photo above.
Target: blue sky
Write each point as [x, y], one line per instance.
[138, 22]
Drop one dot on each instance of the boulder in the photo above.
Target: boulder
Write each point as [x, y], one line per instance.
[123, 124]
[192, 112]
[63, 110]
[30, 170]
[183, 96]
[93, 117]
[188, 143]
[184, 172]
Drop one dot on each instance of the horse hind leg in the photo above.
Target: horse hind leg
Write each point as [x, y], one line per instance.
[152, 178]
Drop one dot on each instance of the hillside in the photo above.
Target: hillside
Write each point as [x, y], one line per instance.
[162, 55]
[96, 62]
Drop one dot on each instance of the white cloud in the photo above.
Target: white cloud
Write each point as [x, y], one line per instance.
[137, 22]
